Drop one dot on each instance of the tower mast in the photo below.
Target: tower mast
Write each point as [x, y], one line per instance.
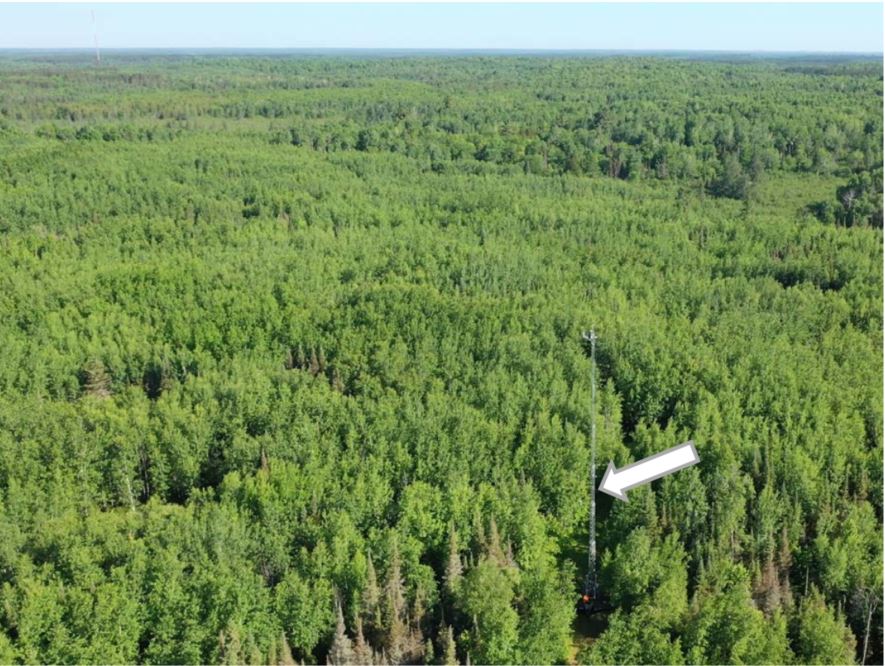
[95, 40]
[590, 581]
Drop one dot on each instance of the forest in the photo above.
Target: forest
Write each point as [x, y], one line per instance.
[292, 364]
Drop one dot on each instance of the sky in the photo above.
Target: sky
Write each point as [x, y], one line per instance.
[815, 27]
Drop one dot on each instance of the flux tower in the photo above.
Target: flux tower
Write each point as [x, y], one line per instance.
[589, 595]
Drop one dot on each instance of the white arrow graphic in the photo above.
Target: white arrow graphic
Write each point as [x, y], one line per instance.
[616, 481]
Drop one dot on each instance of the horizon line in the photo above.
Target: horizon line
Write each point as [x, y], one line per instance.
[445, 49]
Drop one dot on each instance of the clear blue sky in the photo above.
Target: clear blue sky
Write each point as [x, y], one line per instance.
[735, 27]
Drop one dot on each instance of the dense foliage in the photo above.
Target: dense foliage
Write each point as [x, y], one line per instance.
[292, 366]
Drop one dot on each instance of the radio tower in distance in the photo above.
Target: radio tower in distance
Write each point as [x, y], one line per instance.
[95, 40]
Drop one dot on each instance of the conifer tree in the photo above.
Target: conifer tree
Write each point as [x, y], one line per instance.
[454, 567]
[450, 657]
[285, 657]
[371, 598]
[341, 653]
[362, 651]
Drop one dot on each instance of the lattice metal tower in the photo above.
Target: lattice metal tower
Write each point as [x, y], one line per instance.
[590, 582]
